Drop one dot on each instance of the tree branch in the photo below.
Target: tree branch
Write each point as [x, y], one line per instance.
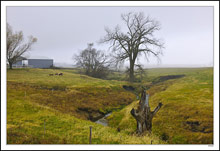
[157, 109]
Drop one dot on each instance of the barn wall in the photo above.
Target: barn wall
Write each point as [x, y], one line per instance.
[40, 63]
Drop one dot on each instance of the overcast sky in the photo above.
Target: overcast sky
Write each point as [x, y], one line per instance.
[64, 31]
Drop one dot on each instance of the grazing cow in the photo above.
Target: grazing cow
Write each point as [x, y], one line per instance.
[50, 74]
[56, 74]
[60, 74]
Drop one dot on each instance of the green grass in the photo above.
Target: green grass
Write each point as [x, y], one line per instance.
[60, 109]
[188, 99]
[76, 97]
[68, 80]
[25, 125]
[72, 93]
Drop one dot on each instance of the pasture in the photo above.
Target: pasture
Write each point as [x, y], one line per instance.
[43, 109]
[187, 114]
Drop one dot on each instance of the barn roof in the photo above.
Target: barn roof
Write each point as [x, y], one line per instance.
[21, 58]
[39, 57]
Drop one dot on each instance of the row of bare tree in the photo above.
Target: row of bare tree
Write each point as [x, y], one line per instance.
[126, 46]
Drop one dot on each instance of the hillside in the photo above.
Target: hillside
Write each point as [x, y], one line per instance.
[59, 109]
[187, 114]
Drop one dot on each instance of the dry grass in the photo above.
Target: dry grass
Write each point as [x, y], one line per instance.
[25, 125]
[187, 114]
[54, 109]
[64, 102]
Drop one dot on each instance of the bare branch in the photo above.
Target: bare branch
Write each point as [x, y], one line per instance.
[93, 62]
[15, 48]
[129, 45]
[157, 109]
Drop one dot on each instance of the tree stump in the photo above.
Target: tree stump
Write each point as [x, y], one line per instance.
[143, 115]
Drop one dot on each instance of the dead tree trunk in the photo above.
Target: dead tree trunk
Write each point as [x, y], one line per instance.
[143, 115]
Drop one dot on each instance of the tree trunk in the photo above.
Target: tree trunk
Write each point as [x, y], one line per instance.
[143, 115]
[10, 65]
[131, 71]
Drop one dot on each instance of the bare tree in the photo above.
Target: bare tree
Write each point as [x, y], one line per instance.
[138, 39]
[15, 45]
[93, 62]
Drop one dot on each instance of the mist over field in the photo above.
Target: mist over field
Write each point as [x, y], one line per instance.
[64, 31]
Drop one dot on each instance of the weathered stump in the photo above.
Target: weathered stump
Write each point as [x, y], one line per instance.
[143, 115]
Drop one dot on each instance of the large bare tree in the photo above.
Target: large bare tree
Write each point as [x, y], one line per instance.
[16, 46]
[137, 40]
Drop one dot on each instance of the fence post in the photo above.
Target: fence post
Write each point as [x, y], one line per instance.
[90, 135]
[25, 94]
[151, 142]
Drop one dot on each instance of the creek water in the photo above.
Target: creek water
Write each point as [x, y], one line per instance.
[103, 120]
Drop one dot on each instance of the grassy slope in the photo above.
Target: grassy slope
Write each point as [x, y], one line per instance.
[40, 77]
[25, 125]
[186, 100]
[78, 95]
[26, 114]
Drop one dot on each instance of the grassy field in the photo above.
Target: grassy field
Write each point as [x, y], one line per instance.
[187, 114]
[59, 109]
[79, 95]
[32, 123]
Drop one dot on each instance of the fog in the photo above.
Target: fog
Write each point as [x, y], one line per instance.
[64, 31]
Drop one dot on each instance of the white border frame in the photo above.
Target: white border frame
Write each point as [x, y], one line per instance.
[215, 4]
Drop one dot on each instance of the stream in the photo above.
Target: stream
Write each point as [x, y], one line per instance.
[103, 120]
